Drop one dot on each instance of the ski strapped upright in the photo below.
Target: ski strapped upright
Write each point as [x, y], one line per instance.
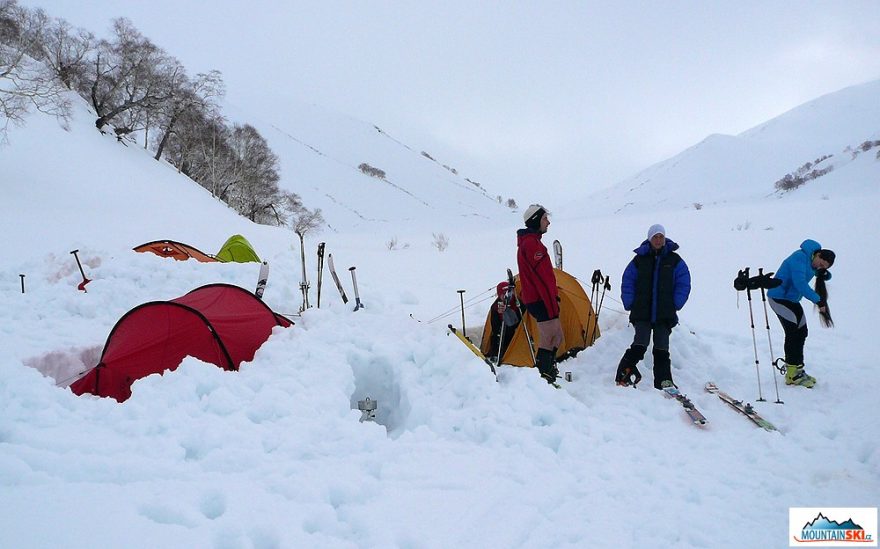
[745, 409]
[336, 278]
[557, 254]
[262, 279]
[320, 269]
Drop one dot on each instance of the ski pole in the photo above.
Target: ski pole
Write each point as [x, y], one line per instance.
[594, 292]
[503, 324]
[754, 340]
[508, 293]
[605, 288]
[769, 339]
[525, 324]
[357, 298]
[22, 283]
[320, 269]
[82, 285]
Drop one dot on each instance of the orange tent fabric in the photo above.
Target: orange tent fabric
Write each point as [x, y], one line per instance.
[177, 250]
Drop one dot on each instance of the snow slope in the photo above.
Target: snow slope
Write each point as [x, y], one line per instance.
[320, 153]
[274, 455]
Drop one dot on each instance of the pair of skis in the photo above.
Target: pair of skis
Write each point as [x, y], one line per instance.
[698, 418]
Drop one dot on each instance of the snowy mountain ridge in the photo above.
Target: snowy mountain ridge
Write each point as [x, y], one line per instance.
[724, 169]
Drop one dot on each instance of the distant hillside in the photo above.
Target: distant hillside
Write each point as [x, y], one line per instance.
[829, 131]
[362, 176]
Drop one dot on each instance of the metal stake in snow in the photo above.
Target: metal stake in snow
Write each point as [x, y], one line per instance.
[357, 298]
[22, 283]
[463, 329]
[82, 285]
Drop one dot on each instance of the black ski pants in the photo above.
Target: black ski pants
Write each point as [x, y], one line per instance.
[660, 333]
[794, 324]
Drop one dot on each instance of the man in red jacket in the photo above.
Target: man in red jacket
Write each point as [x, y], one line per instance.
[538, 290]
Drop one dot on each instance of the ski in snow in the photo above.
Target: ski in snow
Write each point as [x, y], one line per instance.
[262, 279]
[320, 270]
[689, 408]
[474, 349]
[557, 254]
[745, 409]
[336, 278]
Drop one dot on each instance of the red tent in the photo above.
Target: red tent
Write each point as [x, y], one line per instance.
[218, 323]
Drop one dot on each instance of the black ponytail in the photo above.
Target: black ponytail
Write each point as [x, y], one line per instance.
[822, 290]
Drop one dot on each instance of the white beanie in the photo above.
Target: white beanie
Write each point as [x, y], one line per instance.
[531, 212]
[656, 229]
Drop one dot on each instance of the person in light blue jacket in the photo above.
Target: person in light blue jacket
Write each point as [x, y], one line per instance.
[795, 274]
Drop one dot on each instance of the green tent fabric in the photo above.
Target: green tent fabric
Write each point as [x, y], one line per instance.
[237, 249]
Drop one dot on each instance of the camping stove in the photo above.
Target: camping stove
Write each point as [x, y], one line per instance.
[368, 409]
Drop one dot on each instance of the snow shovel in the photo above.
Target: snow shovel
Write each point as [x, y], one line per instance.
[82, 285]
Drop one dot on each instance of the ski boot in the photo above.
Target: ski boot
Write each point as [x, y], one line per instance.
[545, 361]
[795, 375]
[628, 374]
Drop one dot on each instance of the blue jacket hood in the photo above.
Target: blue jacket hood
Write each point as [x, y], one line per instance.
[810, 246]
[645, 247]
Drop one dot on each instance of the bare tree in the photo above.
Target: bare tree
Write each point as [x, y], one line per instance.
[440, 241]
[185, 95]
[303, 220]
[255, 190]
[129, 73]
[24, 82]
[64, 49]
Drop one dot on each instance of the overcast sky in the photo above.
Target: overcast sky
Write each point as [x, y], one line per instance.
[521, 96]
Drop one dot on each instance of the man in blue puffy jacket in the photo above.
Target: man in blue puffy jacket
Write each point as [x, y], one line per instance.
[656, 285]
[795, 274]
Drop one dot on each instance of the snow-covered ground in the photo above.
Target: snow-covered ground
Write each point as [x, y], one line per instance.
[275, 456]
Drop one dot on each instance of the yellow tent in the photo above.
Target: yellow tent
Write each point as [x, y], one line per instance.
[576, 314]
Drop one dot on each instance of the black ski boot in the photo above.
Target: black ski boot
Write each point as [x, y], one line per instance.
[545, 361]
[627, 371]
[662, 369]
